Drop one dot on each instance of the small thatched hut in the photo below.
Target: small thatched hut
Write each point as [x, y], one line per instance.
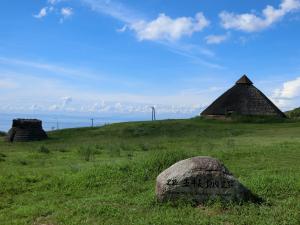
[26, 130]
[242, 99]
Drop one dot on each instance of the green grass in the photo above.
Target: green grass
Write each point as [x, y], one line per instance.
[107, 175]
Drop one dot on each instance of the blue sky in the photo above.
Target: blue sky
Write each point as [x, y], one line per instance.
[113, 56]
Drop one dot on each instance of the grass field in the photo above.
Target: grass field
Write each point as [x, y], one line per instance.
[106, 175]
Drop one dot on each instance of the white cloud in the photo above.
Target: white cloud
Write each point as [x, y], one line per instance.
[166, 28]
[289, 89]
[287, 96]
[43, 12]
[52, 88]
[114, 9]
[53, 1]
[66, 12]
[50, 7]
[250, 22]
[46, 96]
[122, 29]
[163, 30]
[66, 101]
[216, 39]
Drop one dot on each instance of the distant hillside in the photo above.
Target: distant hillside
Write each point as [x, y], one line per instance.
[295, 113]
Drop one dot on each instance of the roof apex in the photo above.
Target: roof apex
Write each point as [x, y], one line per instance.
[244, 80]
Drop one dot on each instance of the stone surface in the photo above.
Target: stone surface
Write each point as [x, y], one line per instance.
[200, 179]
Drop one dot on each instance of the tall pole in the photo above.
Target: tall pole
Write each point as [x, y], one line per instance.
[153, 113]
[92, 122]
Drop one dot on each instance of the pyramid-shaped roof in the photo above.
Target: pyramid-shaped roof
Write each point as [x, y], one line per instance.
[244, 80]
[242, 99]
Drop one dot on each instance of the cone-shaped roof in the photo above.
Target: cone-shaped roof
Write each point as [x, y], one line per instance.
[244, 80]
[242, 99]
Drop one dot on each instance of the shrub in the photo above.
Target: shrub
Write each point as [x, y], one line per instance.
[2, 133]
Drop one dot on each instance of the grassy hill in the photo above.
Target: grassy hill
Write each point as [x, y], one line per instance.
[106, 175]
[294, 114]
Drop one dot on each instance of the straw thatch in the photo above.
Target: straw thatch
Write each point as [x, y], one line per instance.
[242, 99]
[26, 130]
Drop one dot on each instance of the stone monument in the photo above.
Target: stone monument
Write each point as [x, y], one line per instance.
[200, 179]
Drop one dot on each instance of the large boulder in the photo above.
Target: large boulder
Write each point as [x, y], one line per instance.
[200, 179]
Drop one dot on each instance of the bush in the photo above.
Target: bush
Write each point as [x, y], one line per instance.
[2, 133]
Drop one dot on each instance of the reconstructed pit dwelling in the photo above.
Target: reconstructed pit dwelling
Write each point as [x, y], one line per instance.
[26, 130]
[242, 99]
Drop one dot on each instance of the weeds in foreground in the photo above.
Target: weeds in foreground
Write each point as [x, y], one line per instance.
[87, 153]
[44, 149]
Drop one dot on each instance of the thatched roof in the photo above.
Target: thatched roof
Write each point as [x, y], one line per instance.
[242, 99]
[26, 130]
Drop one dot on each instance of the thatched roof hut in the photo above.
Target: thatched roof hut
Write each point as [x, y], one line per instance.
[26, 130]
[242, 99]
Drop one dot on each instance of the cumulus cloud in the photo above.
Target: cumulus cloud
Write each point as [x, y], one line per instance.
[216, 39]
[287, 96]
[166, 28]
[250, 22]
[43, 12]
[162, 30]
[289, 89]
